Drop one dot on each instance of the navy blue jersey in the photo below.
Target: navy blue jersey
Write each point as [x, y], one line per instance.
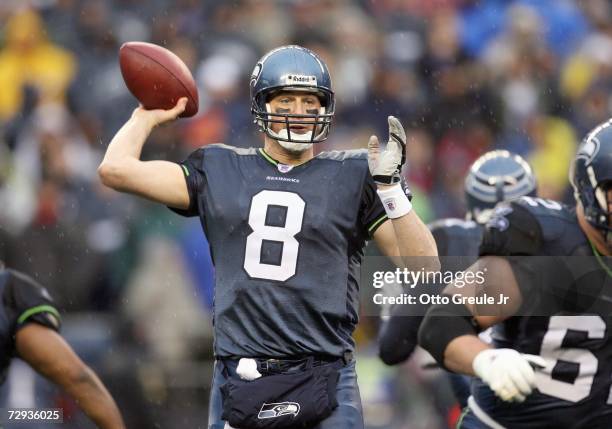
[457, 238]
[23, 301]
[571, 326]
[286, 243]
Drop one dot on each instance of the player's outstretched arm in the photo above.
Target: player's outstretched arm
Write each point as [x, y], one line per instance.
[122, 169]
[49, 354]
[449, 331]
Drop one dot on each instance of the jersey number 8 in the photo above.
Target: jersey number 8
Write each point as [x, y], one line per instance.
[264, 233]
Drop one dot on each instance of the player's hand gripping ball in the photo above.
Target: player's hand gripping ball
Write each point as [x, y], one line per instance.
[157, 77]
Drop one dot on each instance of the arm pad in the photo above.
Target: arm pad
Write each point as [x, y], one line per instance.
[442, 324]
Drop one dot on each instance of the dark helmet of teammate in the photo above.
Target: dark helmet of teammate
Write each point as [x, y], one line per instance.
[496, 176]
[591, 177]
[292, 68]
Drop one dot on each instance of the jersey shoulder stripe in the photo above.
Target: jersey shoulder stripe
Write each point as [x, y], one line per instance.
[28, 301]
[23, 317]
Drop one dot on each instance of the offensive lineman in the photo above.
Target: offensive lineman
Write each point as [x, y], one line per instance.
[495, 176]
[28, 329]
[551, 365]
[286, 228]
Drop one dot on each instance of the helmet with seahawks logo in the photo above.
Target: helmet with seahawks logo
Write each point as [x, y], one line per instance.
[292, 68]
[591, 177]
[496, 176]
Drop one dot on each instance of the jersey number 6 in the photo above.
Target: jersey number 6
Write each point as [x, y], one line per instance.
[267, 233]
[554, 350]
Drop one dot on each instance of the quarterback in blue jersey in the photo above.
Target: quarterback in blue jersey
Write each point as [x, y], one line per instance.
[550, 362]
[287, 231]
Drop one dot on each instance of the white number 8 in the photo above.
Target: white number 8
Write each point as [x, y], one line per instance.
[284, 234]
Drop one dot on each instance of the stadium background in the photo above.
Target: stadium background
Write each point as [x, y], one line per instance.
[134, 280]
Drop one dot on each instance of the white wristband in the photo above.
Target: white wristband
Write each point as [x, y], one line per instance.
[395, 201]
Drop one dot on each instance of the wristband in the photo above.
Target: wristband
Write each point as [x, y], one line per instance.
[395, 201]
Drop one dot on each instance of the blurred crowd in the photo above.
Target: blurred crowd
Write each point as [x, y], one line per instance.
[463, 76]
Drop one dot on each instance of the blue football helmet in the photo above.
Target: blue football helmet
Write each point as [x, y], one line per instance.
[292, 68]
[591, 177]
[496, 176]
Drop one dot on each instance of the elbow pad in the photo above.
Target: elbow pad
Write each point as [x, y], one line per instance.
[398, 339]
[442, 324]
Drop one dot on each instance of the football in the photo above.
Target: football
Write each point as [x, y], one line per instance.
[157, 77]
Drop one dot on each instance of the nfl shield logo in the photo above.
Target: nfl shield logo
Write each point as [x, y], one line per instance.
[284, 168]
[390, 204]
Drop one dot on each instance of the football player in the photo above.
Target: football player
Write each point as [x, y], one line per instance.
[550, 364]
[286, 228]
[496, 176]
[29, 330]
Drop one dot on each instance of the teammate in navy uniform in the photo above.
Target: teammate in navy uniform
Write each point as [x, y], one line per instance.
[550, 365]
[286, 228]
[29, 325]
[494, 177]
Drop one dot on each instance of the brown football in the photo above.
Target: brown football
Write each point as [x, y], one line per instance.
[157, 77]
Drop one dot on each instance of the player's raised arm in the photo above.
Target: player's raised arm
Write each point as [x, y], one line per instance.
[122, 169]
[47, 352]
[406, 236]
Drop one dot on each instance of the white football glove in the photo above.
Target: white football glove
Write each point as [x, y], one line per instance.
[385, 167]
[507, 372]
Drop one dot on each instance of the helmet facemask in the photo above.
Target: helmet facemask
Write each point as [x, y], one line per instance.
[597, 209]
[320, 121]
[604, 198]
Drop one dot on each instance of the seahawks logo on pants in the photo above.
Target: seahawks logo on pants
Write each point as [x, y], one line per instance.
[270, 411]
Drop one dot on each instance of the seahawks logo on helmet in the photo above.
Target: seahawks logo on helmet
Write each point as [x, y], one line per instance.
[255, 74]
[270, 411]
[589, 149]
